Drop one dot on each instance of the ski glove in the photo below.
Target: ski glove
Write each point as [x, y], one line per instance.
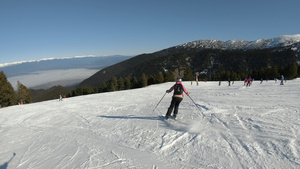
[168, 91]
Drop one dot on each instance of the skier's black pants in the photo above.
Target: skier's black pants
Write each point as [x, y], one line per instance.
[174, 103]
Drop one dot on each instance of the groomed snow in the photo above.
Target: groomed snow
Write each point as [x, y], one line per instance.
[254, 127]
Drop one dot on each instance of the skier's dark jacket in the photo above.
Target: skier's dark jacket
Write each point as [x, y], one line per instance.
[178, 95]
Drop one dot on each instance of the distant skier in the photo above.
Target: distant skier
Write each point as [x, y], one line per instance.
[220, 83]
[229, 81]
[60, 98]
[177, 97]
[249, 81]
[246, 82]
[282, 79]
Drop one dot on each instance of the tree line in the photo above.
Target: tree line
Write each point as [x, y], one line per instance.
[116, 84]
[290, 71]
[8, 96]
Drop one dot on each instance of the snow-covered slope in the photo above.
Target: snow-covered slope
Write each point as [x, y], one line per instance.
[255, 127]
[284, 40]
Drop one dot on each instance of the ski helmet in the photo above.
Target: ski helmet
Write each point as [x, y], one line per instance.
[178, 80]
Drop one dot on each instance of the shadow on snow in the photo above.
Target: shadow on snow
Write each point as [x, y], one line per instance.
[133, 117]
[5, 165]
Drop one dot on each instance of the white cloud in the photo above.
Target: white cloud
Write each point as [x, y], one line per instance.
[45, 59]
[65, 77]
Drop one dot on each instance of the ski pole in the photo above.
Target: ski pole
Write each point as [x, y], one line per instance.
[159, 101]
[197, 106]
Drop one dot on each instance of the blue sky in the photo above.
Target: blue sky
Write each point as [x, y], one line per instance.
[36, 29]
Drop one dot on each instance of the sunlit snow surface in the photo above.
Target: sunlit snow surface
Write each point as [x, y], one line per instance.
[254, 127]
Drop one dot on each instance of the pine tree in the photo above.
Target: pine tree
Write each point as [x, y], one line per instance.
[274, 72]
[160, 78]
[7, 93]
[292, 71]
[127, 83]
[188, 74]
[73, 93]
[121, 84]
[169, 77]
[112, 84]
[151, 80]
[134, 83]
[24, 95]
[84, 90]
[102, 88]
[143, 81]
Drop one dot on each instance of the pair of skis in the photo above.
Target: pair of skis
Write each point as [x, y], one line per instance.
[173, 117]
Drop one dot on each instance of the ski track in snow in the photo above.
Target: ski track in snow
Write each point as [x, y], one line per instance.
[242, 127]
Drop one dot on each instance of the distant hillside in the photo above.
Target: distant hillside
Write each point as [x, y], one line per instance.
[209, 57]
[49, 94]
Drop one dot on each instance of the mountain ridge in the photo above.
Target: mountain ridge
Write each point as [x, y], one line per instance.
[211, 56]
[284, 40]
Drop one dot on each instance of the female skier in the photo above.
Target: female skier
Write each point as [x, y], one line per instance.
[177, 97]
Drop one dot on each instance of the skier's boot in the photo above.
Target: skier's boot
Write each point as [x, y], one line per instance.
[174, 116]
[168, 114]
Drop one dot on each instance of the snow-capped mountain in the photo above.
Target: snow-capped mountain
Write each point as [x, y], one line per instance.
[203, 55]
[280, 41]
